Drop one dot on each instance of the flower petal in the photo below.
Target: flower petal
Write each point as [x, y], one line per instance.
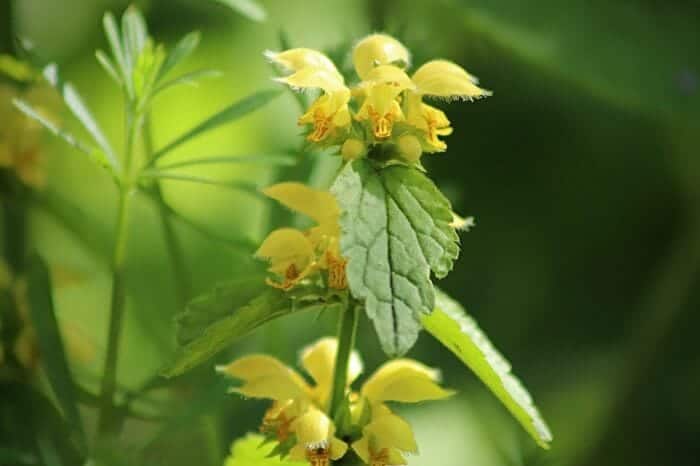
[286, 247]
[319, 361]
[319, 205]
[404, 380]
[391, 431]
[265, 377]
[314, 78]
[378, 49]
[388, 74]
[298, 58]
[441, 78]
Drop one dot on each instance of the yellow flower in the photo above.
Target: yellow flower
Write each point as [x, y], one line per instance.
[387, 436]
[381, 107]
[441, 79]
[298, 405]
[376, 50]
[384, 440]
[295, 255]
[316, 440]
[329, 114]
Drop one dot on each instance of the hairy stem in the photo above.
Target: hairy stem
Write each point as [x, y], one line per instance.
[183, 288]
[347, 328]
[106, 423]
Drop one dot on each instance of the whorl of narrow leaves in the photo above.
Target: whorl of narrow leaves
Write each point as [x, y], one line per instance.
[395, 230]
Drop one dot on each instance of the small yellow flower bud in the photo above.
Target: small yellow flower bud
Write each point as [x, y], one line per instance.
[353, 149]
[378, 49]
[410, 148]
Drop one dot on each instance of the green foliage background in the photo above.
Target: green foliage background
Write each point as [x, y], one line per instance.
[583, 173]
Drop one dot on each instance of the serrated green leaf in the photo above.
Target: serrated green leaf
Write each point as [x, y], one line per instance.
[269, 305]
[180, 52]
[53, 354]
[395, 229]
[205, 310]
[248, 8]
[231, 113]
[78, 108]
[253, 450]
[455, 329]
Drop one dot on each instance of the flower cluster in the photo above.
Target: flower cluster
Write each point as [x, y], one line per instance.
[295, 255]
[383, 114]
[298, 418]
[20, 136]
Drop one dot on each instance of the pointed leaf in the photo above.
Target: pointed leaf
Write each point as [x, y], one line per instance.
[248, 8]
[115, 42]
[50, 342]
[455, 329]
[205, 310]
[236, 185]
[108, 66]
[182, 50]
[82, 113]
[189, 79]
[395, 229]
[231, 113]
[269, 305]
[95, 154]
[263, 159]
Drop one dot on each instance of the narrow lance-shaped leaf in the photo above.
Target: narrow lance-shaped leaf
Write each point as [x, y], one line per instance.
[189, 79]
[50, 343]
[231, 113]
[269, 305]
[455, 329]
[262, 159]
[82, 113]
[180, 52]
[109, 67]
[395, 229]
[67, 137]
[114, 38]
[236, 185]
[248, 8]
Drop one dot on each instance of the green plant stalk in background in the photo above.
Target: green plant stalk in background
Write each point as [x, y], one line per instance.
[106, 421]
[183, 287]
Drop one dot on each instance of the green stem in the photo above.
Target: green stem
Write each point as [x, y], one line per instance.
[183, 287]
[107, 416]
[347, 328]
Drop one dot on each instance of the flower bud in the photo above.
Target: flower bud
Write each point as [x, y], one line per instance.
[409, 148]
[378, 49]
[353, 149]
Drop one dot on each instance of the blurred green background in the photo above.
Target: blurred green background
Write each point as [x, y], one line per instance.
[582, 171]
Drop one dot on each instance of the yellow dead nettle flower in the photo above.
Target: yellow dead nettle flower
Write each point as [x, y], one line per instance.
[387, 436]
[440, 79]
[295, 255]
[298, 406]
[376, 50]
[329, 114]
[381, 107]
[384, 440]
[316, 440]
